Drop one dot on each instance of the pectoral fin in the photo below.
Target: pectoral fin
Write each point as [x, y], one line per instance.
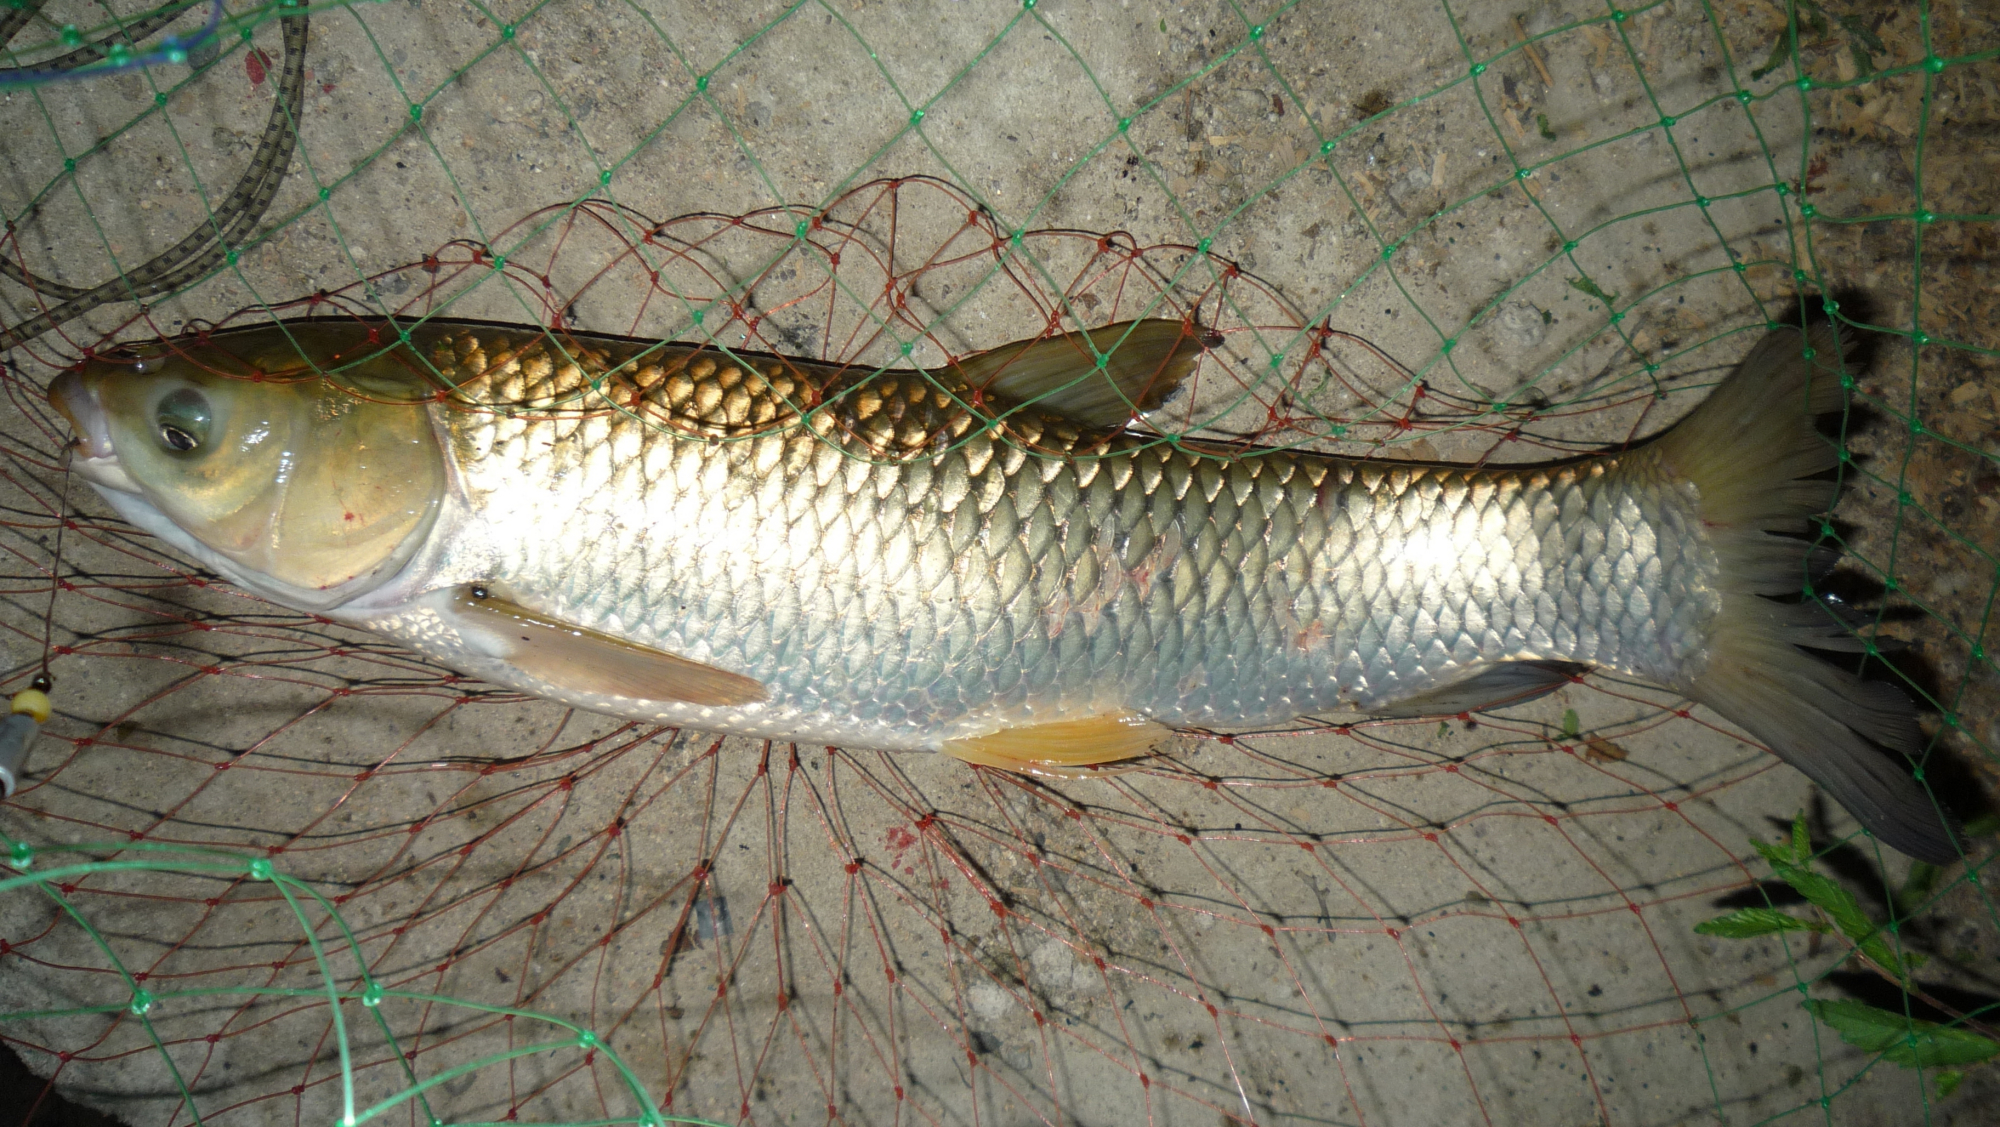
[585, 661]
[1064, 749]
[1144, 361]
[1495, 686]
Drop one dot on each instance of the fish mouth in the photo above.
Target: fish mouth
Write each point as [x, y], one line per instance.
[75, 398]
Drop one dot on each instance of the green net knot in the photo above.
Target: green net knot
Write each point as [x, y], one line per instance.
[372, 996]
[586, 1040]
[1847, 381]
[507, 31]
[1028, 4]
[1808, 353]
[119, 54]
[1739, 267]
[177, 57]
[1478, 69]
[699, 314]
[69, 164]
[1388, 252]
[244, 35]
[1202, 246]
[1617, 317]
[1927, 216]
[1808, 210]
[916, 116]
[1652, 368]
[1124, 125]
[1797, 276]
[1569, 247]
[1015, 238]
[1979, 653]
[1702, 201]
[1846, 455]
[1921, 337]
[1916, 428]
[403, 335]
[1101, 360]
[1449, 344]
[1325, 147]
[907, 346]
[604, 177]
[1257, 32]
[1336, 430]
[701, 83]
[21, 855]
[1521, 174]
[142, 1001]
[1744, 97]
[325, 193]
[1951, 719]
[1933, 64]
[231, 257]
[1617, 15]
[71, 37]
[1669, 120]
[801, 229]
[1804, 84]
[160, 99]
[416, 111]
[261, 869]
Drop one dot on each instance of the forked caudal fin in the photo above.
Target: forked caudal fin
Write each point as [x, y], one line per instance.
[1745, 450]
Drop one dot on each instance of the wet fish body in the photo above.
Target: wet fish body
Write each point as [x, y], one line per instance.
[960, 558]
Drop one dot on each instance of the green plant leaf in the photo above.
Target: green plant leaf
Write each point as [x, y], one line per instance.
[1846, 914]
[1801, 839]
[1947, 1082]
[1542, 127]
[1781, 53]
[1571, 725]
[1744, 923]
[1585, 285]
[1918, 886]
[1903, 1040]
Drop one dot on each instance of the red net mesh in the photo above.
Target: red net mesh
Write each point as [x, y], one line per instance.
[1482, 919]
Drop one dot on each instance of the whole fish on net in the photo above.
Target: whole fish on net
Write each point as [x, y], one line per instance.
[982, 559]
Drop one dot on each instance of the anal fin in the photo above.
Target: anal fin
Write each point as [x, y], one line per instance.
[1494, 686]
[585, 661]
[1065, 749]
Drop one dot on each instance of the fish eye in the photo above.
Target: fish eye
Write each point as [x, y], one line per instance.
[183, 418]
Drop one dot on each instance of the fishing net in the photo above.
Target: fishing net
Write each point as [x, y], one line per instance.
[265, 869]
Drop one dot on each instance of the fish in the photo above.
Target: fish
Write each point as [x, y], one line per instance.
[995, 558]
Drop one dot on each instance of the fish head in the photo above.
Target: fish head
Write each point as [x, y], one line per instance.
[309, 488]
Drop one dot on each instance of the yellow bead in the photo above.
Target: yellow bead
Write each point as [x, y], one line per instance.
[34, 702]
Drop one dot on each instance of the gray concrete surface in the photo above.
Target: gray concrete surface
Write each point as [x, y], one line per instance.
[1398, 924]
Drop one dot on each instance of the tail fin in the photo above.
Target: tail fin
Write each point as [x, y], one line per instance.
[1745, 449]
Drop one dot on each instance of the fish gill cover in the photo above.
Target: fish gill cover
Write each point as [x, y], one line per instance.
[265, 869]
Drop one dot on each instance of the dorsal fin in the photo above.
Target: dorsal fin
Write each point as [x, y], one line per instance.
[1144, 361]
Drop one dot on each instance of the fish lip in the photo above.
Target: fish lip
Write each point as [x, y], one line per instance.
[93, 458]
[76, 400]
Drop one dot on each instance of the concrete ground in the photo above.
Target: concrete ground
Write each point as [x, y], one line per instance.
[1390, 923]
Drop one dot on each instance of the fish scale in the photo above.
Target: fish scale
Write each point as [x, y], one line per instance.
[1032, 570]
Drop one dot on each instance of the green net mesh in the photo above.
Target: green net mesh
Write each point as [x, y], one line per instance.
[266, 869]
